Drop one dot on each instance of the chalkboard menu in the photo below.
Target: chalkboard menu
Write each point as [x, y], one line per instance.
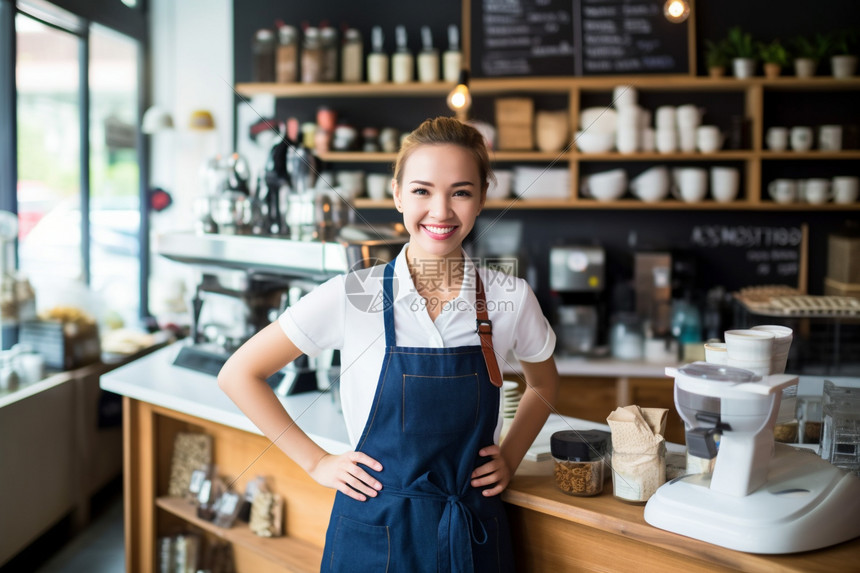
[575, 37]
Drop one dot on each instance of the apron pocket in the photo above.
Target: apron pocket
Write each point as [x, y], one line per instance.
[486, 556]
[440, 404]
[360, 547]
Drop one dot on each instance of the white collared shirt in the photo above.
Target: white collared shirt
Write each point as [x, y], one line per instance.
[345, 313]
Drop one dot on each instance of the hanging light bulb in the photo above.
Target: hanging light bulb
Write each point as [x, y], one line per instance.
[459, 99]
[676, 11]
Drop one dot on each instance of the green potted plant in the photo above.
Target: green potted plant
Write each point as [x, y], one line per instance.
[743, 52]
[808, 52]
[843, 58]
[775, 56]
[716, 57]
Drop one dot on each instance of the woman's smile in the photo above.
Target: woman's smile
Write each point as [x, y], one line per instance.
[439, 232]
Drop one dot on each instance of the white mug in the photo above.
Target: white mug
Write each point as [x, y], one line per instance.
[628, 117]
[830, 138]
[624, 96]
[686, 139]
[845, 189]
[651, 185]
[815, 191]
[647, 139]
[777, 138]
[627, 139]
[783, 190]
[666, 140]
[801, 138]
[725, 183]
[665, 117]
[688, 116]
[708, 138]
[377, 185]
[690, 184]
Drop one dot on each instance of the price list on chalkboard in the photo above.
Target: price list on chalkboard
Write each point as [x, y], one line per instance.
[575, 37]
[621, 37]
[522, 38]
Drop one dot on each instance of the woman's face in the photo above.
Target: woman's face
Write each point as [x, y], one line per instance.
[440, 197]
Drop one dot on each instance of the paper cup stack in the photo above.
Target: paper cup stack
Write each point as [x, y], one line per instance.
[510, 399]
[760, 349]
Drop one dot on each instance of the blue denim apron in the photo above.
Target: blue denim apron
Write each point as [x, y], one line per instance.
[434, 408]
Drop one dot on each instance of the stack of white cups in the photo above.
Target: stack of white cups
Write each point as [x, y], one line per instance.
[688, 118]
[750, 349]
[625, 98]
[782, 337]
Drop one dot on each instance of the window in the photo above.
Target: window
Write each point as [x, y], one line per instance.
[77, 156]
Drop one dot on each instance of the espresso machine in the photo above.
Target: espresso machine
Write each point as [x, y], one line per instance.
[577, 276]
[762, 496]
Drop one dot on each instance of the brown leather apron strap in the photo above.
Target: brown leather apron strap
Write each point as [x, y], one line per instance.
[485, 331]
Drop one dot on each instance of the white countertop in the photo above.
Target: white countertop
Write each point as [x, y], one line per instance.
[155, 380]
[610, 367]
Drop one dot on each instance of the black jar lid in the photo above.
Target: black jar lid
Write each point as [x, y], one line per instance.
[579, 445]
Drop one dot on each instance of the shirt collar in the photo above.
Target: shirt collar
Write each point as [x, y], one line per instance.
[406, 288]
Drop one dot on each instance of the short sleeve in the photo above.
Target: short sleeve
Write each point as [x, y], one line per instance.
[316, 322]
[534, 339]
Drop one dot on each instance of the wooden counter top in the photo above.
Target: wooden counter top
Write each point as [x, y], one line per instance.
[609, 515]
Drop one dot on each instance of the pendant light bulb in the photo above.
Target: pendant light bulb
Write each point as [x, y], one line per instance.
[676, 11]
[459, 99]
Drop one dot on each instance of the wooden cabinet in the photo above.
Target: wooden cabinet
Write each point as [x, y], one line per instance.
[752, 98]
[239, 456]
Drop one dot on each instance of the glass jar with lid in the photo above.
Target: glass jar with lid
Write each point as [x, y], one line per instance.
[264, 55]
[312, 56]
[579, 461]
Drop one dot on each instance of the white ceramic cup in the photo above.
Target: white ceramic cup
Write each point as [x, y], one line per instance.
[725, 183]
[782, 337]
[501, 187]
[815, 191]
[688, 116]
[801, 138]
[606, 185]
[715, 353]
[686, 139]
[708, 138]
[758, 367]
[664, 118]
[647, 139]
[625, 95]
[377, 185]
[777, 138]
[830, 137]
[783, 190]
[350, 182]
[748, 345]
[690, 184]
[628, 117]
[666, 140]
[627, 139]
[846, 189]
[651, 185]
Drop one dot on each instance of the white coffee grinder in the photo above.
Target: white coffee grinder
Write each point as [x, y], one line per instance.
[762, 497]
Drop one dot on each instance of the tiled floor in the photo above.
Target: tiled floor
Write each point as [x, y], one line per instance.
[97, 549]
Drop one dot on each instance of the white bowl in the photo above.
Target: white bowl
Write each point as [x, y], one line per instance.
[606, 185]
[598, 119]
[594, 141]
[501, 187]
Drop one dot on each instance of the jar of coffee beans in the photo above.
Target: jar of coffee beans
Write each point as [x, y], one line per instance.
[579, 460]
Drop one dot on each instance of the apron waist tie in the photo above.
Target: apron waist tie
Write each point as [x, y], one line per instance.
[456, 529]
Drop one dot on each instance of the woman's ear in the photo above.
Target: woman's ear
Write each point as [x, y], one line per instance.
[395, 192]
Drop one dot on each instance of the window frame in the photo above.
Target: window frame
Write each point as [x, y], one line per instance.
[112, 14]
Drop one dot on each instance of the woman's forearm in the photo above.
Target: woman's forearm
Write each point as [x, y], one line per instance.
[537, 403]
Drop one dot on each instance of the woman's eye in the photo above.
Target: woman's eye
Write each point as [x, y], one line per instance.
[462, 193]
[419, 191]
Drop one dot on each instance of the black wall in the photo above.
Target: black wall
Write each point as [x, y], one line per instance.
[613, 229]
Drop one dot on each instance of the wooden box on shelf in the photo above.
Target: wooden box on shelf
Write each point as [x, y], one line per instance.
[515, 123]
[833, 287]
[843, 259]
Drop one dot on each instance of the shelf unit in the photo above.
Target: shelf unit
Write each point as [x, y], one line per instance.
[752, 90]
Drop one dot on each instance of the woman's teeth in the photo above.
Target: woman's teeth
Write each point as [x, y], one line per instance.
[438, 230]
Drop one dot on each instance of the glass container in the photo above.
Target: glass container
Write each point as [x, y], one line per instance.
[840, 431]
[579, 461]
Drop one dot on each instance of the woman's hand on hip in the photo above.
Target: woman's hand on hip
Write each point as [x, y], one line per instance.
[343, 473]
[495, 472]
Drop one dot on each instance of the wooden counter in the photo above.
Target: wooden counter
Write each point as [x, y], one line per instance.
[558, 532]
[553, 532]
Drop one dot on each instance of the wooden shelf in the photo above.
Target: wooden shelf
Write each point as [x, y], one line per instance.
[491, 86]
[850, 154]
[653, 156]
[288, 554]
[669, 204]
